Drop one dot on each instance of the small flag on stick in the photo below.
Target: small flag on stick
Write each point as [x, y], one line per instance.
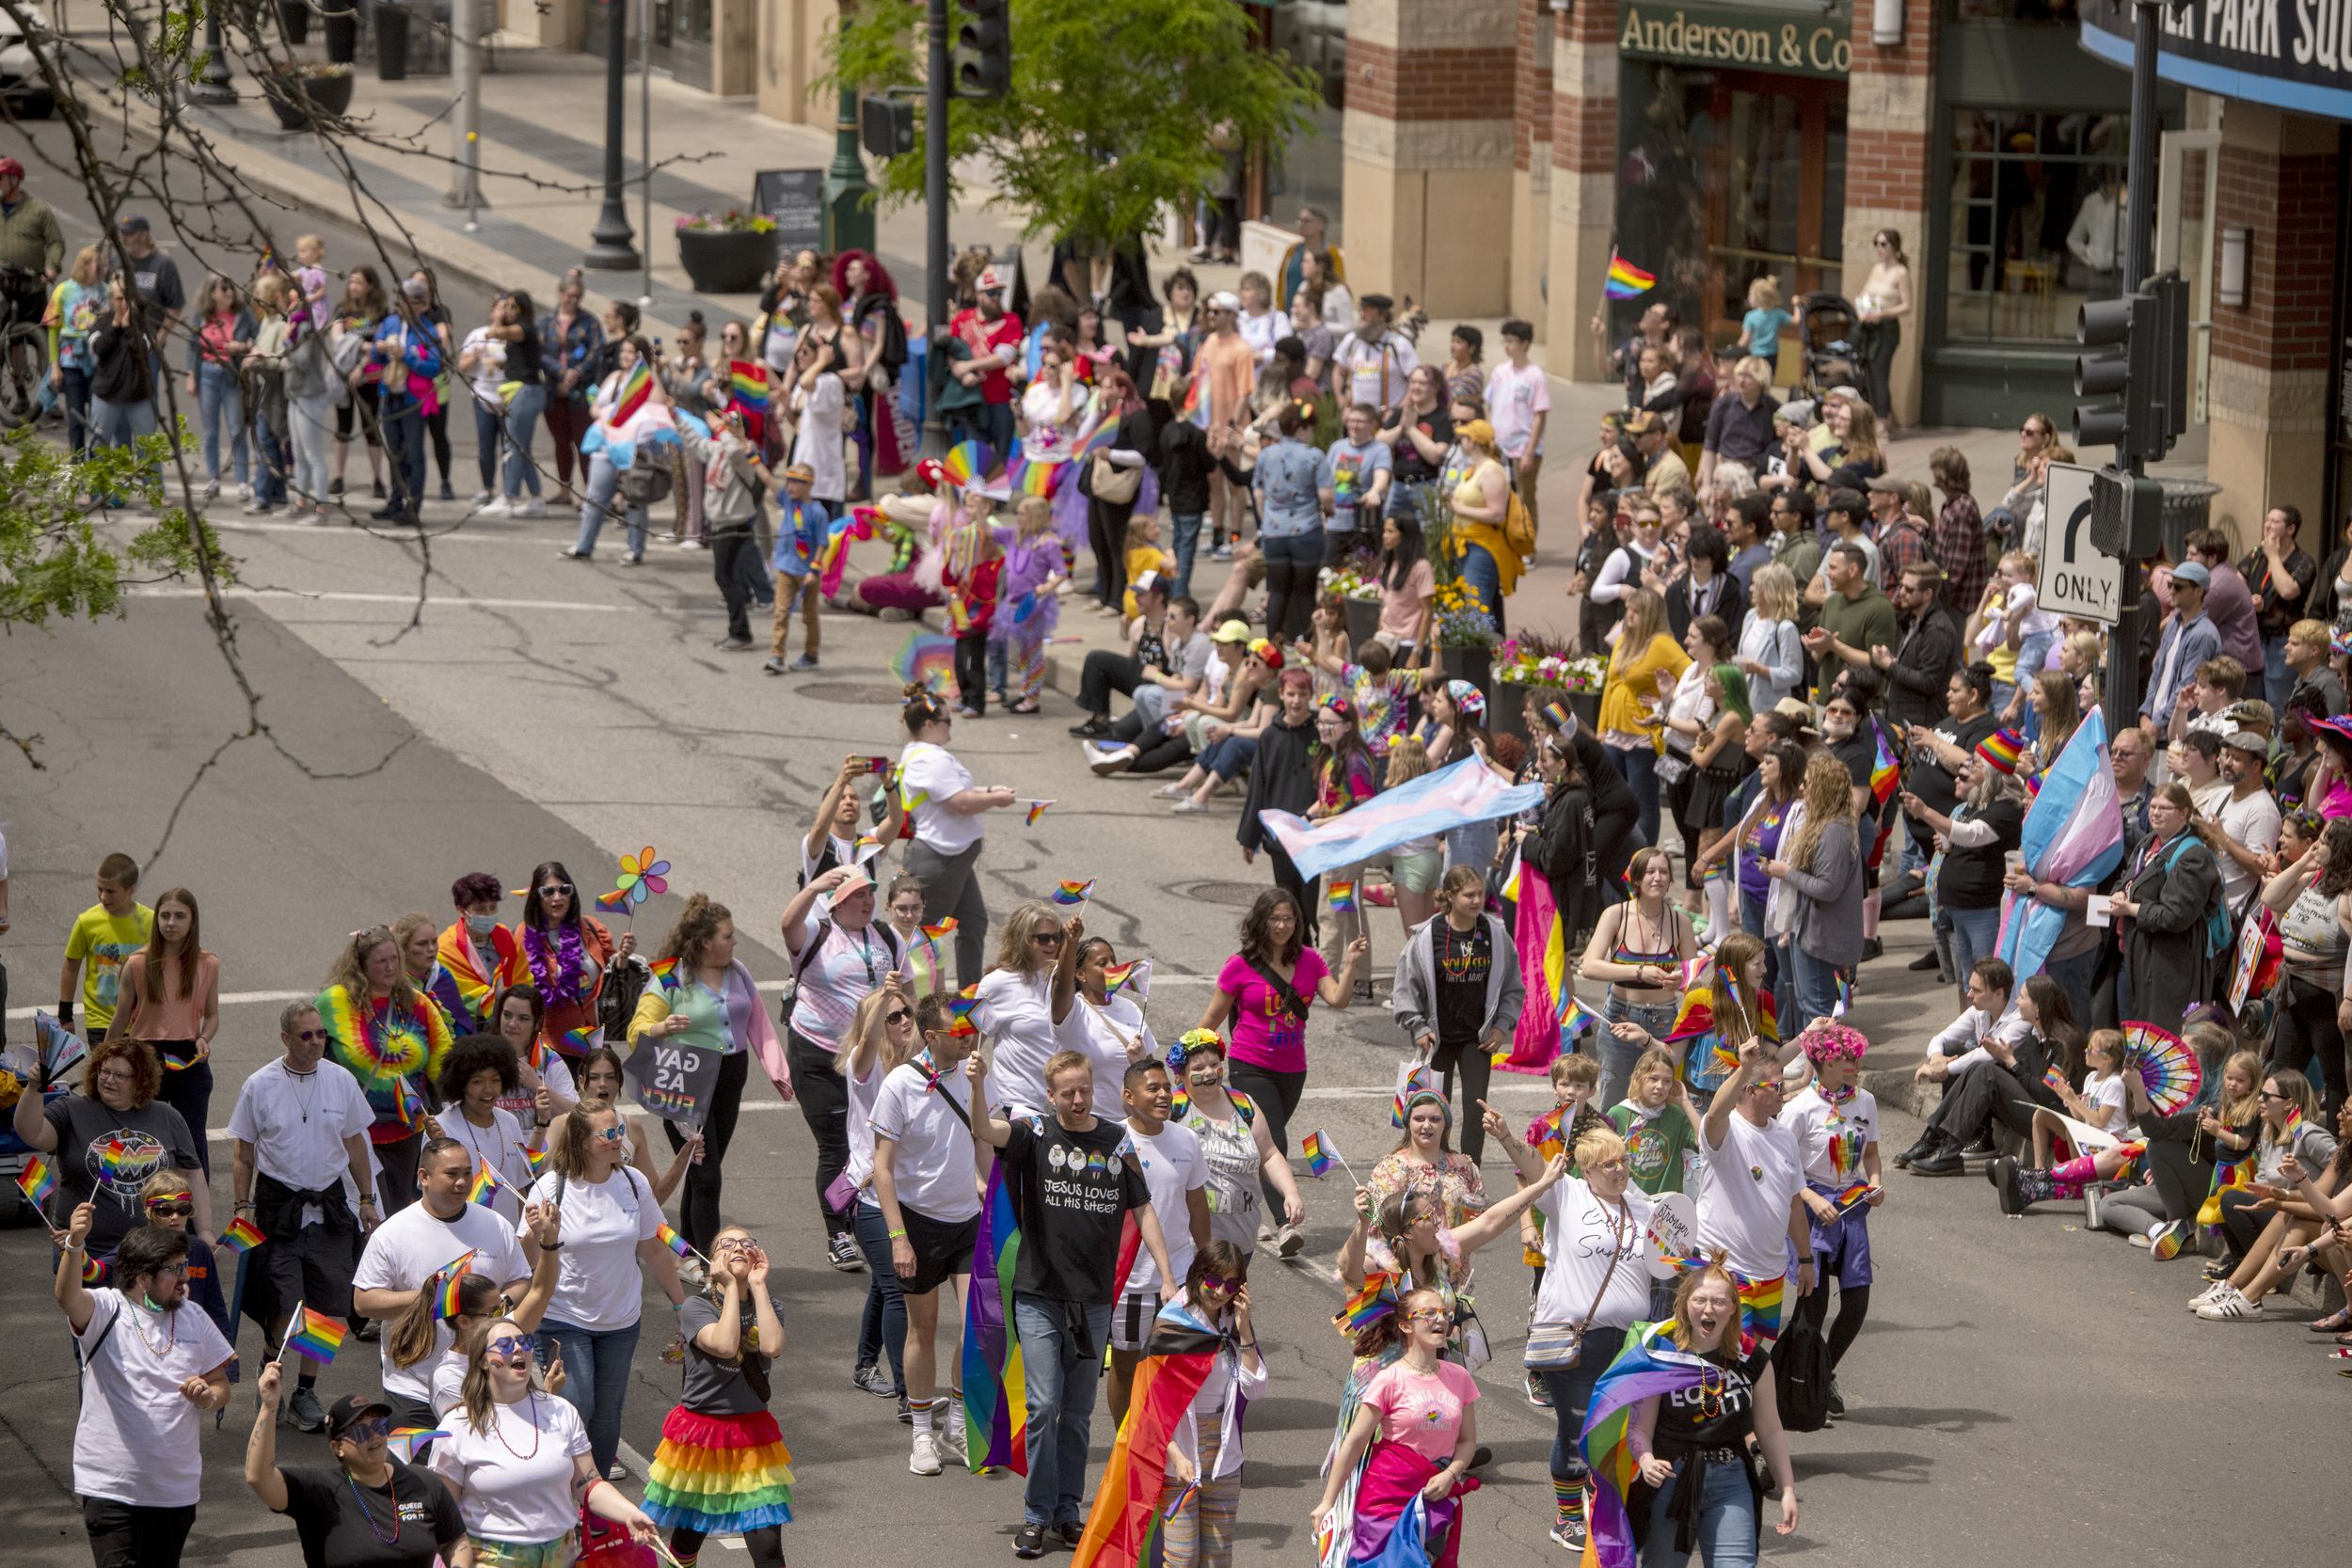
[241, 1235]
[314, 1335]
[1036, 809]
[38, 1182]
[1074, 892]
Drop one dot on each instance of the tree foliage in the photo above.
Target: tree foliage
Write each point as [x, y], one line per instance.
[57, 559]
[1112, 109]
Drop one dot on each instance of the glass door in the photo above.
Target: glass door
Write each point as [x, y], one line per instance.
[1774, 175]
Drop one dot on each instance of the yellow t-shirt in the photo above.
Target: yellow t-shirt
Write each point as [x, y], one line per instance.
[103, 941]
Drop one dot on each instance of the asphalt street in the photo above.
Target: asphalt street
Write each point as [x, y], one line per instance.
[2024, 1392]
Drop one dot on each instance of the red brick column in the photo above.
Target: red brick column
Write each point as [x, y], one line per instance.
[1583, 182]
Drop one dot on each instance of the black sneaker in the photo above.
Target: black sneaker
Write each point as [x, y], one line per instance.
[1029, 1541]
[1872, 949]
[1093, 729]
[1924, 962]
[379, 489]
[1071, 1531]
[842, 1254]
[335, 487]
[1837, 1400]
[1981, 1148]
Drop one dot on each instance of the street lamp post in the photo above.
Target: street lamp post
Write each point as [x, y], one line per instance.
[612, 251]
[212, 82]
[848, 219]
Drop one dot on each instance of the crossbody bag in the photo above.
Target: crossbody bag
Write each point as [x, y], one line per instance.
[1558, 1347]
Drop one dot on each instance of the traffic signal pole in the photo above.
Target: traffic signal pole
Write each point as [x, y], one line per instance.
[2122, 684]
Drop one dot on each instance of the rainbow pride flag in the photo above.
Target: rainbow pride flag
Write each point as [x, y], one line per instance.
[241, 1235]
[1760, 1304]
[1122, 1526]
[995, 1403]
[536, 1159]
[747, 394]
[1886, 774]
[1375, 1300]
[1036, 809]
[485, 1185]
[633, 393]
[1850, 1196]
[405, 1441]
[1318, 1153]
[445, 1305]
[1626, 281]
[1651, 1365]
[672, 1239]
[314, 1336]
[1341, 897]
[38, 1182]
[945, 927]
[1072, 893]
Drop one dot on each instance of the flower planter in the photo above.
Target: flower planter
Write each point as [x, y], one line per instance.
[1363, 620]
[298, 101]
[726, 260]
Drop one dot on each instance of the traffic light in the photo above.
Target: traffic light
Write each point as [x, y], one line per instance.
[886, 126]
[983, 48]
[2135, 364]
[2126, 513]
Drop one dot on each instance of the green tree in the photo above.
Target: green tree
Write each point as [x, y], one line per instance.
[1112, 109]
[55, 559]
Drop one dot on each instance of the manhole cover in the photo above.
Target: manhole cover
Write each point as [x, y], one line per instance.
[1238, 895]
[852, 693]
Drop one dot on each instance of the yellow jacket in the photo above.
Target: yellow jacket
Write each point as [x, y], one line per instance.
[1633, 684]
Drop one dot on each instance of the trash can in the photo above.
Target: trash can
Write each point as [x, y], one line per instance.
[341, 18]
[2187, 507]
[391, 43]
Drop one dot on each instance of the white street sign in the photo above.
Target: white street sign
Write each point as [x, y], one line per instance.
[2077, 579]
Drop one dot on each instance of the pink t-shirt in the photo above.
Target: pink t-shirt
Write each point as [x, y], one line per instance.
[1264, 1034]
[1423, 1413]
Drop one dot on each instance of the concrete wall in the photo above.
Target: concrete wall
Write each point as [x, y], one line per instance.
[791, 54]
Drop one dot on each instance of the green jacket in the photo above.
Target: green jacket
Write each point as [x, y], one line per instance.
[29, 236]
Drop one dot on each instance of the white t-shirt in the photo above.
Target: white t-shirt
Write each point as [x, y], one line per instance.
[599, 1284]
[501, 1145]
[1513, 398]
[137, 1441]
[929, 777]
[816, 441]
[1016, 1013]
[2105, 1092]
[1830, 1143]
[1580, 1235]
[297, 1122]
[515, 1482]
[523, 1105]
[2254, 823]
[1172, 1167]
[1744, 1192]
[1102, 1033]
[1365, 363]
[861, 1095]
[448, 1383]
[489, 370]
[1263, 332]
[932, 1167]
[411, 1247]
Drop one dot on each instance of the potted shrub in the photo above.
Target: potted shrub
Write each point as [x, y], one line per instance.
[1530, 663]
[726, 253]
[1357, 581]
[1465, 636]
[300, 91]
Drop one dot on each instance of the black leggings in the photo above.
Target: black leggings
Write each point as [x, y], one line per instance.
[698, 1210]
[824, 1099]
[766, 1545]
[360, 408]
[728, 552]
[972, 672]
[2307, 1029]
[1161, 754]
[1106, 535]
[1854, 1304]
[1277, 1096]
[436, 426]
[1477, 1067]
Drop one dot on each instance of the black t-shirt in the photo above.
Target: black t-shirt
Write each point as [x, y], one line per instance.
[1925, 777]
[105, 1156]
[417, 1510]
[1462, 960]
[1716, 1415]
[1971, 877]
[1411, 467]
[1152, 648]
[1071, 1192]
[523, 356]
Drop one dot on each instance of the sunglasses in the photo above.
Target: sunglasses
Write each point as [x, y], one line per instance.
[167, 1209]
[1047, 939]
[553, 889]
[1219, 1282]
[365, 1432]
[610, 1134]
[513, 1346]
[2270, 1094]
[310, 1034]
[898, 1016]
[1429, 1316]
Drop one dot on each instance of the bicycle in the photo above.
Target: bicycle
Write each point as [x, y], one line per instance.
[23, 347]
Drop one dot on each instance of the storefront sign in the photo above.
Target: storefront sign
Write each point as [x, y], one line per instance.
[2294, 54]
[1742, 38]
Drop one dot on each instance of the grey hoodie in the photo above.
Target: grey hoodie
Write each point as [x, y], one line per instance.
[1414, 995]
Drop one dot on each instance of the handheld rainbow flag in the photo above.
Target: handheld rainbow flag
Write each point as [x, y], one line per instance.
[317, 1337]
[1416, 1080]
[536, 1159]
[1885, 774]
[995, 1401]
[674, 1242]
[1072, 893]
[240, 1235]
[1575, 1015]
[405, 1441]
[1176, 1505]
[1135, 975]
[1318, 1154]
[446, 1308]
[38, 1182]
[634, 392]
[1377, 1300]
[1855, 1194]
[1036, 809]
[1845, 998]
[961, 1008]
[1342, 898]
[965, 461]
[944, 928]
[1626, 281]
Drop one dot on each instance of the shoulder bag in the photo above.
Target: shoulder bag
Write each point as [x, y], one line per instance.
[1558, 1347]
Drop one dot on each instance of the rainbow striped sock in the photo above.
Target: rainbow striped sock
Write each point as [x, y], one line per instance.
[1569, 1495]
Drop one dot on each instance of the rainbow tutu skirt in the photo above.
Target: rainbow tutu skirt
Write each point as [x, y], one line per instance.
[722, 1475]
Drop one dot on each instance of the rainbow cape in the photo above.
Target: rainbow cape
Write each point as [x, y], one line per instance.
[1626, 281]
[1125, 1523]
[1651, 1365]
[2232, 1173]
[995, 1403]
[463, 987]
[389, 1053]
[1695, 1021]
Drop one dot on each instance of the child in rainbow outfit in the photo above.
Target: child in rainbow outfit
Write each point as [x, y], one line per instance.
[1836, 1124]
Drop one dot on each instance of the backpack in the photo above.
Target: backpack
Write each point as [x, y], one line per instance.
[1801, 1374]
[2220, 936]
[817, 945]
[624, 981]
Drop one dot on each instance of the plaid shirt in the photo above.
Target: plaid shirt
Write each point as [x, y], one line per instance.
[1960, 549]
[1901, 545]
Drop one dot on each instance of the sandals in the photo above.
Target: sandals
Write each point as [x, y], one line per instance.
[2334, 1323]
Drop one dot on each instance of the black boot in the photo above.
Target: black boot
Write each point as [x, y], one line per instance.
[1930, 1141]
[1943, 1159]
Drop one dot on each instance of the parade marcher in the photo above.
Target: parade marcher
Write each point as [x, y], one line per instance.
[723, 1469]
[1458, 991]
[1836, 1124]
[603, 1077]
[1107, 1025]
[563, 951]
[137, 1455]
[704, 999]
[519, 1462]
[544, 1087]
[300, 1127]
[1637, 950]
[1425, 1161]
[410, 1251]
[170, 999]
[1411, 1440]
[938, 792]
[930, 1210]
[481, 1071]
[473, 952]
[168, 1200]
[1176, 1171]
[368, 1510]
[882, 1037]
[109, 1139]
[834, 834]
[1243, 1160]
[101, 941]
[394, 1040]
[1073, 1178]
[839, 959]
[1025, 1001]
[1757, 1219]
[610, 1240]
[412, 1340]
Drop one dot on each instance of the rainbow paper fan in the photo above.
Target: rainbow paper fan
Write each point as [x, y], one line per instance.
[2167, 1066]
[642, 876]
[967, 462]
[927, 660]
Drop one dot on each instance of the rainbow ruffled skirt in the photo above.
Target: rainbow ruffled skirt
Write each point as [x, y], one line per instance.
[722, 1475]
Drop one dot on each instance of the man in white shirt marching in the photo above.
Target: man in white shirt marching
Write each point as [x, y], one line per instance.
[1749, 1206]
[152, 1366]
[1177, 1171]
[301, 1128]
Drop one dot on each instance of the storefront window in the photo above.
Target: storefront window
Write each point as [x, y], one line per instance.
[1303, 172]
[2037, 222]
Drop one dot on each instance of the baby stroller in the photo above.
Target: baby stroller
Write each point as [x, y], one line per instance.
[1829, 328]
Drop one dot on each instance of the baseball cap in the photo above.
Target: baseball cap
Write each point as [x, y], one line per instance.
[135, 224]
[1224, 299]
[1797, 412]
[991, 282]
[11, 169]
[2253, 710]
[803, 472]
[1148, 582]
[2193, 574]
[1641, 422]
[1881, 485]
[1231, 632]
[2247, 741]
[352, 1409]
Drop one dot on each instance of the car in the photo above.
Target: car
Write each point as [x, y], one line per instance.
[22, 91]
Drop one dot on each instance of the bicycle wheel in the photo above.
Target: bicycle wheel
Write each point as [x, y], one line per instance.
[24, 365]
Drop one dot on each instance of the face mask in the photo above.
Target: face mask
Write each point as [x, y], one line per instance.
[482, 924]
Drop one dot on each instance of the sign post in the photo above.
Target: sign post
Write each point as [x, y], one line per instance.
[2078, 578]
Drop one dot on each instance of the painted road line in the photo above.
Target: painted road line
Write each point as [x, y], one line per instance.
[432, 601]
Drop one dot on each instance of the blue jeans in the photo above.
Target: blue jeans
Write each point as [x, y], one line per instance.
[1188, 544]
[604, 482]
[220, 402]
[1571, 1391]
[119, 424]
[1976, 934]
[488, 425]
[1617, 1057]
[2278, 680]
[1224, 758]
[1814, 985]
[271, 463]
[1059, 1376]
[1723, 1526]
[522, 422]
[885, 1325]
[1483, 578]
[75, 397]
[1639, 766]
[595, 1379]
[403, 454]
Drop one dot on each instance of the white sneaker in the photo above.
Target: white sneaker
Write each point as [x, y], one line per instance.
[1187, 806]
[212, 488]
[245, 492]
[534, 507]
[1168, 792]
[2230, 1305]
[481, 499]
[948, 1434]
[493, 506]
[2211, 1293]
[924, 1461]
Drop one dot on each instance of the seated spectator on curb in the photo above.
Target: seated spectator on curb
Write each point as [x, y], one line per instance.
[2293, 1143]
[1163, 689]
[1998, 1078]
[1992, 1013]
[1148, 651]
